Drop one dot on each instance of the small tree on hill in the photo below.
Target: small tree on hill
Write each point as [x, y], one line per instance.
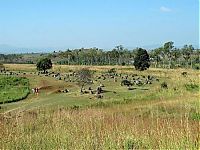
[141, 61]
[44, 64]
[2, 67]
[112, 71]
[85, 76]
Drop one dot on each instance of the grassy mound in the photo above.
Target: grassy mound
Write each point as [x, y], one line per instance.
[13, 89]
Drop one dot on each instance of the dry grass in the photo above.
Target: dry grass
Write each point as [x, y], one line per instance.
[170, 121]
[99, 129]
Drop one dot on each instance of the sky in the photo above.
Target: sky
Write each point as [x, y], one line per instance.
[62, 24]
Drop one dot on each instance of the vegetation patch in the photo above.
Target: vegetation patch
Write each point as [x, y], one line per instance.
[192, 87]
[164, 85]
[133, 144]
[13, 89]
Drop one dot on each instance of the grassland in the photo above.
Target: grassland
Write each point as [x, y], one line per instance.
[147, 117]
[13, 89]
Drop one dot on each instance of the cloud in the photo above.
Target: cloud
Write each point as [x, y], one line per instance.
[165, 9]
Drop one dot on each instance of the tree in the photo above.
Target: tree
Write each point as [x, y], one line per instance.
[187, 52]
[156, 55]
[176, 54]
[112, 71]
[167, 49]
[44, 64]
[141, 61]
[2, 67]
[85, 76]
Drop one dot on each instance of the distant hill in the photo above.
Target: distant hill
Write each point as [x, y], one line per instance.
[8, 49]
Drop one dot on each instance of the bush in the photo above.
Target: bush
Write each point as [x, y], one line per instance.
[133, 144]
[164, 85]
[184, 73]
[112, 71]
[126, 82]
[123, 63]
[194, 115]
[192, 87]
[196, 67]
[2, 67]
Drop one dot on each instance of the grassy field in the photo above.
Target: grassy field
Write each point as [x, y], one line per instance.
[13, 89]
[147, 117]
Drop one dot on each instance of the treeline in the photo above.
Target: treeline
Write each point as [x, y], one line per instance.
[15, 58]
[30, 58]
[95, 56]
[167, 56]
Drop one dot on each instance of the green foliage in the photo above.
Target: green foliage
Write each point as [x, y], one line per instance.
[131, 144]
[194, 115]
[123, 63]
[184, 74]
[192, 87]
[112, 71]
[141, 61]
[196, 66]
[2, 67]
[44, 64]
[187, 51]
[164, 85]
[168, 47]
[85, 76]
[148, 119]
[167, 56]
[13, 89]
[75, 107]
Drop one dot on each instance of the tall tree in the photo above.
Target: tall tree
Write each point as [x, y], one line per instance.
[167, 49]
[85, 77]
[157, 55]
[141, 61]
[2, 67]
[187, 52]
[44, 64]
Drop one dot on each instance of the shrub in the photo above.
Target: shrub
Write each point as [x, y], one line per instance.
[194, 115]
[112, 71]
[133, 144]
[164, 85]
[126, 82]
[2, 67]
[184, 73]
[196, 66]
[123, 63]
[75, 107]
[192, 87]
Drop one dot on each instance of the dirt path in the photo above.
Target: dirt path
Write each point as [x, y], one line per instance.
[44, 85]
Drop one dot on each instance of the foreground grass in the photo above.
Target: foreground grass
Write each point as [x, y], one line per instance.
[160, 126]
[140, 119]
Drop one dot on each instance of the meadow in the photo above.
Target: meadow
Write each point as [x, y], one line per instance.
[13, 89]
[146, 117]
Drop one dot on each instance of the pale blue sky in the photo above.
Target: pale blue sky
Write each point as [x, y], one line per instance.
[98, 23]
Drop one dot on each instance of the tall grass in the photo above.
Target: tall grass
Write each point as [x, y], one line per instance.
[159, 119]
[141, 128]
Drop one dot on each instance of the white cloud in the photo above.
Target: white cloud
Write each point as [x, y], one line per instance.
[165, 9]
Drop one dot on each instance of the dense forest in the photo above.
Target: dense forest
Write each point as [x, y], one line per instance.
[167, 56]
